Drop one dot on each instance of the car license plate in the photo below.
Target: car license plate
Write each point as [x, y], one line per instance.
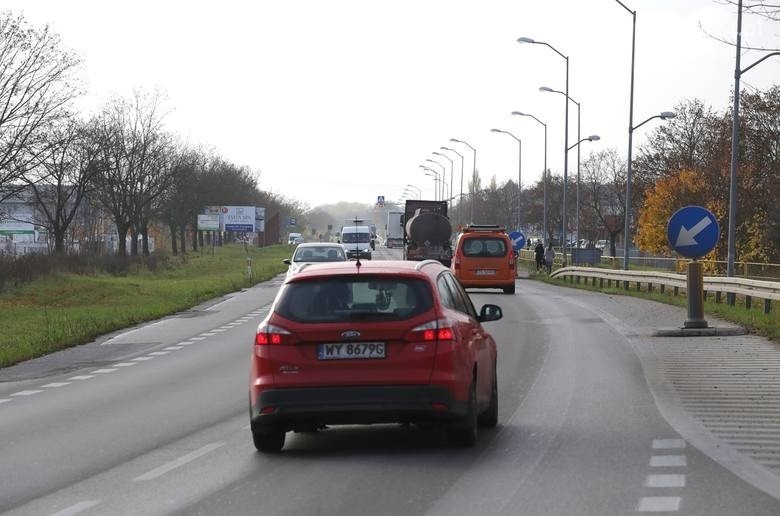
[351, 351]
[485, 272]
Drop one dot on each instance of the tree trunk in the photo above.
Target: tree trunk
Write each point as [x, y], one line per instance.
[174, 249]
[121, 240]
[200, 238]
[59, 241]
[183, 237]
[133, 241]
[145, 239]
[194, 240]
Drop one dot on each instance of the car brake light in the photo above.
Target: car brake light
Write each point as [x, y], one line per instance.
[431, 331]
[457, 264]
[270, 334]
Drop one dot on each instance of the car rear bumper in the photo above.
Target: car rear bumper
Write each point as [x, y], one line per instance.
[486, 283]
[289, 408]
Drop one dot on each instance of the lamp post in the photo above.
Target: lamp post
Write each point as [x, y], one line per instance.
[664, 115]
[435, 175]
[544, 172]
[565, 133]
[732, 244]
[452, 170]
[409, 191]
[443, 173]
[419, 190]
[473, 176]
[519, 169]
[460, 197]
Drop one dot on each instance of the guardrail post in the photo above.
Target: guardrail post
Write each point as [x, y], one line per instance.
[649, 287]
[601, 282]
[748, 302]
[695, 290]
[638, 286]
[767, 306]
[662, 288]
[718, 297]
[676, 291]
[625, 285]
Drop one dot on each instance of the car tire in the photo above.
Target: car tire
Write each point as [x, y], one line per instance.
[509, 290]
[489, 418]
[464, 432]
[268, 440]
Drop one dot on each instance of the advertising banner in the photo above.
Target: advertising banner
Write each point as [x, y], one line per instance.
[238, 218]
[260, 218]
[208, 222]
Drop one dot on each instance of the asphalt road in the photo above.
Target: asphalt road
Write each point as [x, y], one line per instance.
[154, 421]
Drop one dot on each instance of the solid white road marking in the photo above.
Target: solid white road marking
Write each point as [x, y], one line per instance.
[659, 504]
[165, 468]
[158, 353]
[665, 481]
[173, 348]
[54, 385]
[668, 444]
[77, 508]
[82, 377]
[143, 359]
[25, 393]
[663, 461]
[4, 400]
[104, 371]
[124, 364]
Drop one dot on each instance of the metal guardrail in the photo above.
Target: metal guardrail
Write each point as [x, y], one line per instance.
[748, 289]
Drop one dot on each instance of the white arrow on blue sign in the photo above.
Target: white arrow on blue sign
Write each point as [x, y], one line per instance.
[518, 240]
[693, 231]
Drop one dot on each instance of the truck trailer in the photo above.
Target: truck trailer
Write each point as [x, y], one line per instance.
[427, 231]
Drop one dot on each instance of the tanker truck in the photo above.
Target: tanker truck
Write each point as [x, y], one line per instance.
[427, 231]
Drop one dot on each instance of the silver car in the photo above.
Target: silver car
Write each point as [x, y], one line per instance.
[314, 252]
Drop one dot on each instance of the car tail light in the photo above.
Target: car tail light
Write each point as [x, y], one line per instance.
[431, 331]
[268, 334]
[457, 263]
[512, 259]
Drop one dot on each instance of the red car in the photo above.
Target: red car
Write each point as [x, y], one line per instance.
[373, 342]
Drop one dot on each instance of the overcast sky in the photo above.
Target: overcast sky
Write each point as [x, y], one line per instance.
[342, 100]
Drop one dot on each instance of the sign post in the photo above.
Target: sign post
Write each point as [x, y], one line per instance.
[693, 232]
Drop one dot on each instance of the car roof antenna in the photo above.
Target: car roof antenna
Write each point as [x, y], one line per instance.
[357, 244]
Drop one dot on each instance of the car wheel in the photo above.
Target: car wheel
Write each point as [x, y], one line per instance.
[464, 433]
[489, 418]
[509, 290]
[268, 440]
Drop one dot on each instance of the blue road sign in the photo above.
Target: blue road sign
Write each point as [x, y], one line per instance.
[693, 231]
[518, 240]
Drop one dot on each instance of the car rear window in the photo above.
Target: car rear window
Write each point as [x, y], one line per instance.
[320, 254]
[354, 298]
[484, 247]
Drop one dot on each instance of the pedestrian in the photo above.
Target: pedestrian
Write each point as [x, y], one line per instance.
[549, 257]
[539, 253]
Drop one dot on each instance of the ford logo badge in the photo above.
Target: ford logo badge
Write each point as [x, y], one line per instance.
[350, 334]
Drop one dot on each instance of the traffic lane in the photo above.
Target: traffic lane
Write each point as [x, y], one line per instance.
[77, 424]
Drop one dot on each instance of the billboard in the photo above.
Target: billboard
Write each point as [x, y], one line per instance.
[260, 218]
[238, 218]
[208, 222]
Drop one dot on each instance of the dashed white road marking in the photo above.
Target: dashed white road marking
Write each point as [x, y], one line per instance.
[54, 385]
[668, 444]
[664, 461]
[77, 508]
[659, 504]
[665, 481]
[218, 330]
[4, 400]
[82, 377]
[198, 338]
[25, 393]
[104, 371]
[143, 359]
[158, 353]
[185, 344]
[208, 334]
[124, 364]
[173, 348]
[165, 468]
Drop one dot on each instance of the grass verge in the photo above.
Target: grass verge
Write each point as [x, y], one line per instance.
[753, 319]
[60, 311]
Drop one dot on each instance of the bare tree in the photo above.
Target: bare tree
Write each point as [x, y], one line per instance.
[36, 84]
[63, 174]
[604, 175]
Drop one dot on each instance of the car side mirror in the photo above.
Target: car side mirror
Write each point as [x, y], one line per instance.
[287, 261]
[490, 313]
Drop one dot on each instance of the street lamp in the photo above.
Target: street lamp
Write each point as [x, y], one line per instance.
[732, 243]
[460, 197]
[519, 169]
[544, 172]
[419, 190]
[452, 170]
[473, 176]
[577, 211]
[664, 115]
[435, 175]
[443, 172]
[565, 132]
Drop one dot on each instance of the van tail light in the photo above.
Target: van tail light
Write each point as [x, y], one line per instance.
[457, 263]
[268, 334]
[437, 330]
[512, 261]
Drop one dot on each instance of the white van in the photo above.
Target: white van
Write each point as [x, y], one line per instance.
[294, 238]
[356, 241]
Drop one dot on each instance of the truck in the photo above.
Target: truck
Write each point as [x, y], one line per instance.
[394, 231]
[427, 231]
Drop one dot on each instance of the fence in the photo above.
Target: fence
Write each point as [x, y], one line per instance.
[768, 291]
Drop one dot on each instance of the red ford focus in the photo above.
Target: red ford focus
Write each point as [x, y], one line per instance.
[376, 342]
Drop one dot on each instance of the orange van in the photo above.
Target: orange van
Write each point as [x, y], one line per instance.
[484, 258]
